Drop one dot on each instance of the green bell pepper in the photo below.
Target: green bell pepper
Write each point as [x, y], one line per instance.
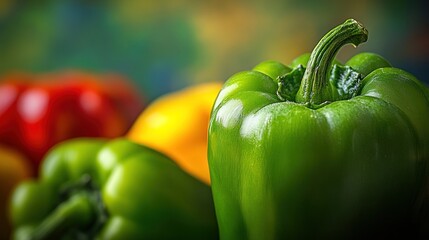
[99, 189]
[321, 150]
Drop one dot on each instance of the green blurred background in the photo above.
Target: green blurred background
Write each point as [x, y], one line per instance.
[166, 45]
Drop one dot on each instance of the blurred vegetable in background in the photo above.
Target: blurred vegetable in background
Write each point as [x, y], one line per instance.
[98, 189]
[38, 111]
[176, 124]
[14, 168]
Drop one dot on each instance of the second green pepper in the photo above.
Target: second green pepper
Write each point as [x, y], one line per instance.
[93, 189]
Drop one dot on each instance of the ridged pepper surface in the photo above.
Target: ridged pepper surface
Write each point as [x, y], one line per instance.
[321, 150]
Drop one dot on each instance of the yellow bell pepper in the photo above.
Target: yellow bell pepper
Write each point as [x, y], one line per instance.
[176, 124]
[14, 168]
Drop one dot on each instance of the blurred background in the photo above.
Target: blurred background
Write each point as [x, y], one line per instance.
[165, 45]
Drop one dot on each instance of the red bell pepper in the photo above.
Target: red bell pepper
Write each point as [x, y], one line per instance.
[38, 111]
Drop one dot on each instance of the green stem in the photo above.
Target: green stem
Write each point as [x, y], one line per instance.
[77, 212]
[315, 89]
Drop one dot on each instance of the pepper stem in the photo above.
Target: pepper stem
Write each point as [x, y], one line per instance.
[315, 89]
[76, 212]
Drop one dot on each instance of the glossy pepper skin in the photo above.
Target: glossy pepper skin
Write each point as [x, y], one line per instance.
[176, 124]
[115, 189]
[14, 168]
[321, 151]
[38, 111]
